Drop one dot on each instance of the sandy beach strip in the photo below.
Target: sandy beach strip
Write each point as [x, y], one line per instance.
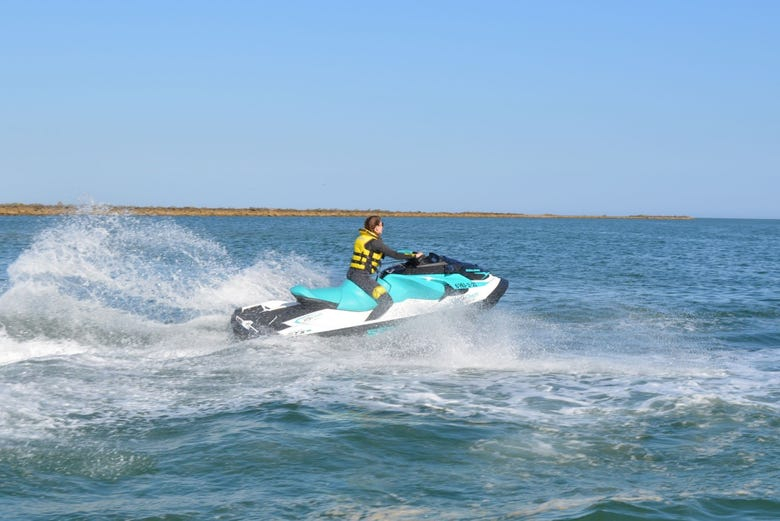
[7, 209]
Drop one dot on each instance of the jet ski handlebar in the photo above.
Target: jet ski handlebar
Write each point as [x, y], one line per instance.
[432, 262]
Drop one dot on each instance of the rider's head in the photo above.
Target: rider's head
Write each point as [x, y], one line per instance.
[373, 224]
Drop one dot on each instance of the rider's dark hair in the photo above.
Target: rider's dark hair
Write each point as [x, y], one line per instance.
[372, 222]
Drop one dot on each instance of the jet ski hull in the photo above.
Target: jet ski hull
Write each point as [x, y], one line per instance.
[435, 285]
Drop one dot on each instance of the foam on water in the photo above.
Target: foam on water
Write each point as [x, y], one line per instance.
[12, 350]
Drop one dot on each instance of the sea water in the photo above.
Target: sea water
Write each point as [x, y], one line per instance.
[631, 371]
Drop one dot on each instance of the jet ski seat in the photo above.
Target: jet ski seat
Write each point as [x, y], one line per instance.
[347, 297]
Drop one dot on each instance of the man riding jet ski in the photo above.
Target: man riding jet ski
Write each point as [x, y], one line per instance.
[367, 255]
[420, 286]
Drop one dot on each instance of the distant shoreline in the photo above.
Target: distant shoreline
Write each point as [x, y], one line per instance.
[10, 209]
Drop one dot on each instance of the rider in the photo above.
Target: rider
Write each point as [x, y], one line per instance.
[366, 257]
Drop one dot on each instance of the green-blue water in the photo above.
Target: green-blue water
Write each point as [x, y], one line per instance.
[631, 372]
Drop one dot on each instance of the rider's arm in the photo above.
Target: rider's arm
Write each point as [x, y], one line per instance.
[378, 244]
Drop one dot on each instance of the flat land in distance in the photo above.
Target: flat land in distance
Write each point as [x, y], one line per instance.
[174, 211]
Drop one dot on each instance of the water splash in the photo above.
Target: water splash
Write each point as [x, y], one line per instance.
[103, 280]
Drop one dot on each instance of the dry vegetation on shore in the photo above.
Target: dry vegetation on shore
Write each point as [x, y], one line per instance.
[173, 211]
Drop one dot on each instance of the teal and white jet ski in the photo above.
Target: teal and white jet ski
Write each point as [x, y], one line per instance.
[418, 287]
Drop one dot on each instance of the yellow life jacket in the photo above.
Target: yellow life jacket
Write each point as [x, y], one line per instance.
[364, 258]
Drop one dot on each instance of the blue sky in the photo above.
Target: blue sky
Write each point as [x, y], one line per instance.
[565, 107]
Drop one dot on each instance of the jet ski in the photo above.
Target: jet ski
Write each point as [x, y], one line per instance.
[418, 287]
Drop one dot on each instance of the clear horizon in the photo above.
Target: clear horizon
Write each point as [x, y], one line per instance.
[567, 108]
